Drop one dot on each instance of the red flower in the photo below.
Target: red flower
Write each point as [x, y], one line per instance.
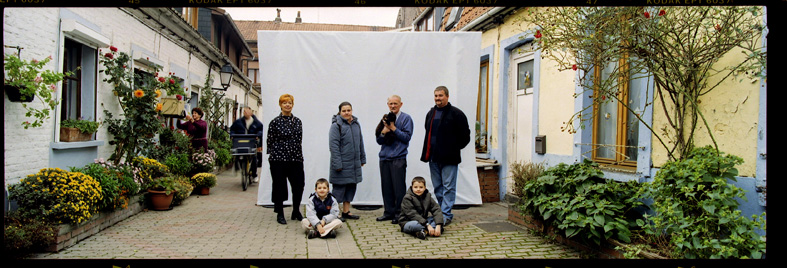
[179, 97]
[172, 127]
[574, 67]
[161, 79]
[538, 34]
[156, 74]
[172, 81]
[114, 49]
[662, 12]
[109, 55]
[647, 15]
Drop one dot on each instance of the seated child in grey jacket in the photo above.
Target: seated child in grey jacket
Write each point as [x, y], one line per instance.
[416, 207]
[322, 212]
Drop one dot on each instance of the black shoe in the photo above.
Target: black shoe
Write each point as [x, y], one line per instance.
[421, 235]
[331, 234]
[395, 221]
[447, 222]
[384, 218]
[280, 218]
[348, 216]
[296, 215]
[311, 234]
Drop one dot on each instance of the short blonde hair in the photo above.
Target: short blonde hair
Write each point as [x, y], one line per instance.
[286, 97]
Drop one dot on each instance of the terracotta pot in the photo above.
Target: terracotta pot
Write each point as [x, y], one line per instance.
[71, 134]
[204, 191]
[12, 92]
[160, 200]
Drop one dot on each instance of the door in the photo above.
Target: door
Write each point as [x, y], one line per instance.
[522, 86]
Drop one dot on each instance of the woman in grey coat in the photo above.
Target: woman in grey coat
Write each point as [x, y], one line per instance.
[347, 157]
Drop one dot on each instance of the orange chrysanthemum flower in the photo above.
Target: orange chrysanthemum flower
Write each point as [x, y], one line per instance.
[159, 106]
[139, 93]
[158, 93]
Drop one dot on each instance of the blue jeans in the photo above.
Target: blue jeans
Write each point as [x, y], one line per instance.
[412, 227]
[444, 182]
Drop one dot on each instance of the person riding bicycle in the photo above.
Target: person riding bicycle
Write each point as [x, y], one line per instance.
[249, 124]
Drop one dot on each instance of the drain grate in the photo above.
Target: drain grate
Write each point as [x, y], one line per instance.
[496, 227]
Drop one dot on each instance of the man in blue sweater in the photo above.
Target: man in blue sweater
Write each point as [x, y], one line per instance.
[393, 134]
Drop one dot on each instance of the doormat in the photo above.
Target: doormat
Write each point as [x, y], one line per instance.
[497, 227]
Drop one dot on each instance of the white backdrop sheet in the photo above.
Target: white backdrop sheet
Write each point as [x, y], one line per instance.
[323, 69]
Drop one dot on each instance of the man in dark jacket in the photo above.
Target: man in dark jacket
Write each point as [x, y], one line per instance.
[447, 132]
[249, 124]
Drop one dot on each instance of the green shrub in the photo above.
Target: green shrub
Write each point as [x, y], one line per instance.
[579, 201]
[23, 236]
[178, 164]
[697, 211]
[183, 189]
[111, 193]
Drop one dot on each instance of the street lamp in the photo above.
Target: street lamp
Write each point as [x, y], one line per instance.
[226, 75]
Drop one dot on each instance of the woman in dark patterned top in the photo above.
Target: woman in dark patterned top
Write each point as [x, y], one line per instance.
[285, 134]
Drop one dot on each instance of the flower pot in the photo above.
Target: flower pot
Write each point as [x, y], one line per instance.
[172, 107]
[160, 200]
[72, 134]
[204, 191]
[13, 94]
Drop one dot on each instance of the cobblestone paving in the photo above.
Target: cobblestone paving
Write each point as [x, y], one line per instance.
[227, 224]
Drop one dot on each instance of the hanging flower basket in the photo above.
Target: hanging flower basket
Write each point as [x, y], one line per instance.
[172, 107]
[14, 95]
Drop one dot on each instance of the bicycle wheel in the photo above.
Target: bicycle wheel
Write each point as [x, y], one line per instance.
[243, 168]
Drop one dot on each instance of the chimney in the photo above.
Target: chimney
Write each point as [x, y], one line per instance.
[298, 19]
[278, 15]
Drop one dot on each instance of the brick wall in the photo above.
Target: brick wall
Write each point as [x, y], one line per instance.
[489, 183]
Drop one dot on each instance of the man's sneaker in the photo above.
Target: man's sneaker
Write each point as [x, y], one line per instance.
[447, 222]
[421, 234]
[331, 234]
[311, 234]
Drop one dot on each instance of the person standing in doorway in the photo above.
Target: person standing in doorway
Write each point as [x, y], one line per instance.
[197, 130]
[285, 135]
[447, 132]
[393, 134]
[347, 157]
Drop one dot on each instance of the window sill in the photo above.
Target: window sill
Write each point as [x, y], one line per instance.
[75, 145]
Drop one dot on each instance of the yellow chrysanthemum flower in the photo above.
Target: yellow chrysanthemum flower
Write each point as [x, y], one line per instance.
[158, 93]
[139, 93]
[159, 106]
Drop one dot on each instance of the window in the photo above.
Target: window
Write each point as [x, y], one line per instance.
[525, 77]
[483, 102]
[79, 90]
[615, 128]
[427, 22]
[252, 73]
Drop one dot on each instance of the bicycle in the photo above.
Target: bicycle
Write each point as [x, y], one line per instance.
[243, 149]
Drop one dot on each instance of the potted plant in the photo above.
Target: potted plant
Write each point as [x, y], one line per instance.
[77, 129]
[161, 192]
[24, 80]
[204, 181]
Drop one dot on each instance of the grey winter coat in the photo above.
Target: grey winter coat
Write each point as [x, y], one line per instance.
[347, 154]
[417, 208]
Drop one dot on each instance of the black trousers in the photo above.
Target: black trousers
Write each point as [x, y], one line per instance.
[392, 182]
[281, 172]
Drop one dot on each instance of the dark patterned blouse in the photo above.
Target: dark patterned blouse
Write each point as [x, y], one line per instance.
[285, 134]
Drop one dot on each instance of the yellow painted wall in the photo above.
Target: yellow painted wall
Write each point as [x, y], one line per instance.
[731, 110]
[556, 102]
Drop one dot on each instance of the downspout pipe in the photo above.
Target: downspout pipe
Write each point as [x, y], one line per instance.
[481, 18]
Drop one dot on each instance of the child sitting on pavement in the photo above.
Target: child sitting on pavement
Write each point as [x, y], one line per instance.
[416, 207]
[322, 212]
